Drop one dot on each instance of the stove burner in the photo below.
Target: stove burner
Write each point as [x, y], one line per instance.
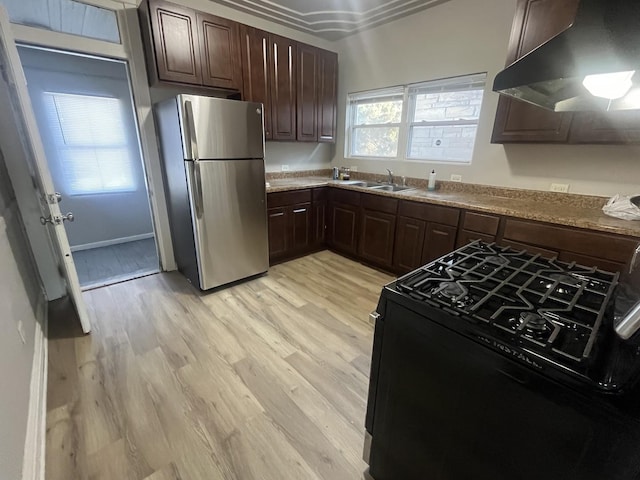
[533, 321]
[566, 278]
[452, 290]
[497, 260]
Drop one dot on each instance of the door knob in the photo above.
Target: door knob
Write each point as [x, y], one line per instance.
[57, 220]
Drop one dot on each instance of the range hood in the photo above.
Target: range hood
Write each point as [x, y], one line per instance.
[594, 65]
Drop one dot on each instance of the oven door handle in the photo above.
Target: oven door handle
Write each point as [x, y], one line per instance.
[515, 377]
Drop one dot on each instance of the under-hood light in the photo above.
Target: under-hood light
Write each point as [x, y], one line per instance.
[609, 85]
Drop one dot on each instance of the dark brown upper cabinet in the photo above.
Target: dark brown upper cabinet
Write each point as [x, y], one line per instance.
[269, 64]
[185, 46]
[255, 68]
[173, 50]
[327, 96]
[535, 22]
[308, 63]
[220, 52]
[283, 62]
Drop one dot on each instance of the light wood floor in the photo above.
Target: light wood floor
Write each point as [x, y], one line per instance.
[102, 266]
[264, 380]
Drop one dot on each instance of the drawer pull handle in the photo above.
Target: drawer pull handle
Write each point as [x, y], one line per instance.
[277, 214]
[300, 210]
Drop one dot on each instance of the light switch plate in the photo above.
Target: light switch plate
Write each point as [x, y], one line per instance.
[354, 168]
[559, 187]
[456, 178]
[285, 168]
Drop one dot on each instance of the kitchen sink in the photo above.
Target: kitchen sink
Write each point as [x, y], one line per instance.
[390, 188]
[365, 184]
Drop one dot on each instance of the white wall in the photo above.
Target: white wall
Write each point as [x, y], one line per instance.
[99, 217]
[19, 294]
[460, 37]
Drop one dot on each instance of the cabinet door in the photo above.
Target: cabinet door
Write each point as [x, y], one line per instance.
[439, 240]
[307, 93]
[535, 22]
[327, 96]
[300, 227]
[377, 237]
[175, 38]
[409, 242]
[343, 228]
[220, 52]
[278, 232]
[255, 67]
[319, 223]
[283, 61]
[611, 127]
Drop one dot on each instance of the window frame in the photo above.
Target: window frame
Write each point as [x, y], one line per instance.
[407, 125]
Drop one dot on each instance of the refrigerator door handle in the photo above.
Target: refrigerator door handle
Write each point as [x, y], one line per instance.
[193, 140]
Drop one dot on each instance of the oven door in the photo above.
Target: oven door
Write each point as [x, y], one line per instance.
[448, 408]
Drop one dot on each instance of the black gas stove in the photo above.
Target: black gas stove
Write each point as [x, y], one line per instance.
[489, 354]
[550, 309]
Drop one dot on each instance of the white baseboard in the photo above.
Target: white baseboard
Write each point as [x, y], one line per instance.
[35, 443]
[114, 241]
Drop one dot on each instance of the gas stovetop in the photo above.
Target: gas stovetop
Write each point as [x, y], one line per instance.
[552, 308]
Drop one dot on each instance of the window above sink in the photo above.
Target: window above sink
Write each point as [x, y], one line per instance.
[434, 121]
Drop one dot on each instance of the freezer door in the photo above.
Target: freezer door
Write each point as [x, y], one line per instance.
[216, 128]
[229, 219]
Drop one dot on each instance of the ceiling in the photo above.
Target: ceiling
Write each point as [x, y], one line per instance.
[330, 19]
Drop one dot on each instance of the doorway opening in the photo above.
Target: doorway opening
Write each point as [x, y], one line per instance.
[85, 113]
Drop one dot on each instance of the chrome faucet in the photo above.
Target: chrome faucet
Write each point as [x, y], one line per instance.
[390, 178]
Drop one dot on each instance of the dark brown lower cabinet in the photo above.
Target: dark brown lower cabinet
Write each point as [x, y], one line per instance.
[343, 228]
[407, 254]
[439, 240]
[300, 227]
[318, 223]
[278, 232]
[377, 236]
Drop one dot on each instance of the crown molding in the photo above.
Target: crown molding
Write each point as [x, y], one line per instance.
[327, 23]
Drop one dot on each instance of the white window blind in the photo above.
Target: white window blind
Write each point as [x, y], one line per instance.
[91, 142]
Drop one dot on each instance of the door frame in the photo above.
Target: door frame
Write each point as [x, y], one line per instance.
[131, 51]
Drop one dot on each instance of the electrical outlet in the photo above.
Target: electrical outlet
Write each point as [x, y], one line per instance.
[354, 168]
[559, 187]
[456, 178]
[21, 332]
[285, 168]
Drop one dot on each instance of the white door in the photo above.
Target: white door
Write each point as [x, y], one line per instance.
[25, 158]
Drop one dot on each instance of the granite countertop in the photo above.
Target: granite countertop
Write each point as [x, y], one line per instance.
[562, 209]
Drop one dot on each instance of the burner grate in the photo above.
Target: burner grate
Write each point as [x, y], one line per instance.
[556, 307]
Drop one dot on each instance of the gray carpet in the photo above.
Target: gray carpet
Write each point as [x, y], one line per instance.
[116, 263]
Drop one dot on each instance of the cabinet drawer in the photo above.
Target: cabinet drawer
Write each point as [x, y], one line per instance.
[279, 199]
[598, 245]
[465, 236]
[429, 213]
[529, 248]
[588, 261]
[345, 197]
[482, 223]
[379, 203]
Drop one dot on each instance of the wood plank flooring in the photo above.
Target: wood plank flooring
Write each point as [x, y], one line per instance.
[102, 266]
[263, 380]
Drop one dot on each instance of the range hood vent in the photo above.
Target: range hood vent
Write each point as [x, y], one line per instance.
[604, 39]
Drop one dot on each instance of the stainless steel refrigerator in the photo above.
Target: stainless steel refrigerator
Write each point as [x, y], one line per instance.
[213, 158]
